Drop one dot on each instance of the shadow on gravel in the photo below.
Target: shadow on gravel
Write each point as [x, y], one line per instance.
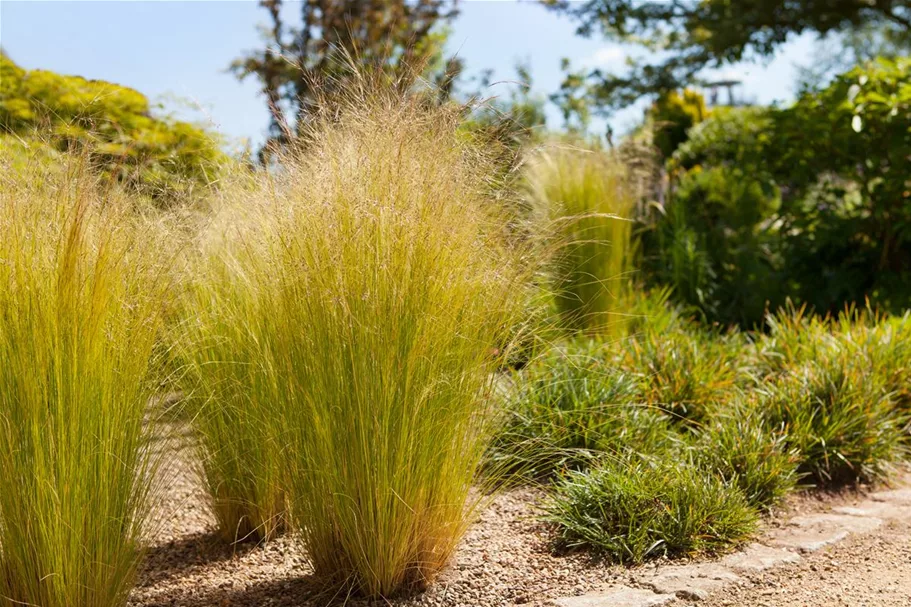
[183, 555]
[290, 592]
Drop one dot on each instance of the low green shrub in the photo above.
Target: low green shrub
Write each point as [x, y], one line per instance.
[685, 373]
[739, 447]
[631, 510]
[569, 408]
[795, 337]
[886, 344]
[80, 311]
[837, 416]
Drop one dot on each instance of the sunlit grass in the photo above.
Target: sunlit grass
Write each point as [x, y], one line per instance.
[80, 308]
[837, 416]
[568, 409]
[583, 202]
[634, 509]
[354, 328]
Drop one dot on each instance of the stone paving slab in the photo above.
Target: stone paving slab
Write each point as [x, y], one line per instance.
[807, 541]
[851, 524]
[880, 509]
[757, 557]
[895, 495]
[621, 596]
[816, 531]
[693, 582]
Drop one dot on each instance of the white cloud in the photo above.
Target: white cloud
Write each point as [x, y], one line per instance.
[608, 56]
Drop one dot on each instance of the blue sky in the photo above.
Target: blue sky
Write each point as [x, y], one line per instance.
[177, 52]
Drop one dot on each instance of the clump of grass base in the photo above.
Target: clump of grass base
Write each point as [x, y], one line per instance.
[630, 510]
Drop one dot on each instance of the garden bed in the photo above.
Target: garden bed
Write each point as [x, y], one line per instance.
[507, 557]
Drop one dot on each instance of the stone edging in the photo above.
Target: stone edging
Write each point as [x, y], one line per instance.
[801, 535]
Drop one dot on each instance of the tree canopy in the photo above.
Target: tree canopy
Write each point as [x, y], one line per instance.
[688, 36]
[318, 51]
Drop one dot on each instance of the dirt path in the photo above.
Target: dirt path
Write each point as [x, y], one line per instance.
[872, 570]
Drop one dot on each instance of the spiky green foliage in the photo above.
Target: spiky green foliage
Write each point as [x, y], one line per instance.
[745, 453]
[583, 201]
[884, 343]
[837, 416]
[79, 314]
[631, 510]
[684, 372]
[794, 337]
[567, 410]
[371, 284]
[875, 347]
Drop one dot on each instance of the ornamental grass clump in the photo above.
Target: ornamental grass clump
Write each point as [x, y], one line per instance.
[838, 417]
[688, 374]
[634, 509]
[80, 311]
[583, 202]
[225, 366]
[373, 287]
[567, 410]
[739, 448]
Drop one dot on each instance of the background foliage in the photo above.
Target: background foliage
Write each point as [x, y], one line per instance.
[810, 202]
[160, 157]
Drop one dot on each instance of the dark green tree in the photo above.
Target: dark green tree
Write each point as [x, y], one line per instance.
[689, 36]
[313, 56]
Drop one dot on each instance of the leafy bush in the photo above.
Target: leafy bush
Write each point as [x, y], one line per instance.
[745, 453]
[832, 412]
[583, 201]
[714, 247]
[633, 510]
[80, 311]
[729, 137]
[567, 410]
[808, 202]
[160, 157]
[673, 115]
[376, 283]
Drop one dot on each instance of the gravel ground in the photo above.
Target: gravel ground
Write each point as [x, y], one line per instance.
[504, 560]
[863, 571]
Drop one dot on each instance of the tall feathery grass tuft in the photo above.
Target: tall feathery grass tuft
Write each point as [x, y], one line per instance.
[81, 292]
[584, 200]
[367, 292]
[225, 362]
